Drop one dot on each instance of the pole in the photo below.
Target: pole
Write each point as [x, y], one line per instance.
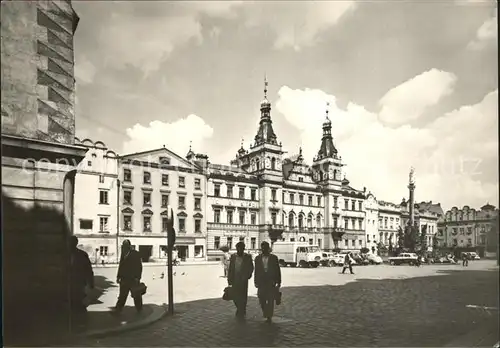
[170, 271]
[117, 220]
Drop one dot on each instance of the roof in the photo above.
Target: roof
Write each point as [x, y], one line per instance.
[488, 206]
[432, 207]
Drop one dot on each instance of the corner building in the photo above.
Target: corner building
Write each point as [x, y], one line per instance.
[264, 196]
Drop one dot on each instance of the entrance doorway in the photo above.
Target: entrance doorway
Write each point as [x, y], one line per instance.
[145, 252]
[183, 252]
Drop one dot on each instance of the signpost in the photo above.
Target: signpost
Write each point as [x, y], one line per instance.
[170, 270]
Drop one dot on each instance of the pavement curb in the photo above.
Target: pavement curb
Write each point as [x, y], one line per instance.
[158, 314]
[484, 336]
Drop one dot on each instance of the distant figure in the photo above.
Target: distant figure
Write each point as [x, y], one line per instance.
[225, 262]
[465, 259]
[347, 263]
[267, 279]
[239, 272]
[129, 276]
[81, 275]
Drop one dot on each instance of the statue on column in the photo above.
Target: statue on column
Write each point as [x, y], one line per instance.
[412, 176]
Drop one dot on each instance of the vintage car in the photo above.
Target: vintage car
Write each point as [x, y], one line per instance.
[374, 259]
[404, 258]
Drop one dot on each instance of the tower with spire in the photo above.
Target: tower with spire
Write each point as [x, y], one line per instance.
[327, 172]
[264, 159]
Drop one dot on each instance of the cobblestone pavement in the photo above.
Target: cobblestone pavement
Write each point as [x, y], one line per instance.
[378, 306]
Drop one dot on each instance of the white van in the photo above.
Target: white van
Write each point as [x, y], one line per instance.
[297, 253]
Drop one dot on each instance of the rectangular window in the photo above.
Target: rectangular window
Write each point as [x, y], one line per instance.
[147, 198]
[127, 175]
[360, 224]
[360, 242]
[346, 204]
[230, 191]
[86, 224]
[353, 243]
[253, 194]
[197, 225]
[241, 193]
[319, 243]
[217, 190]
[103, 250]
[229, 217]
[127, 197]
[253, 242]
[147, 178]
[273, 194]
[335, 224]
[197, 203]
[242, 217]
[335, 202]
[353, 205]
[216, 242]
[346, 224]
[360, 205]
[301, 199]
[311, 241]
[230, 242]
[292, 198]
[147, 223]
[319, 201]
[164, 179]
[253, 219]
[273, 218]
[182, 224]
[197, 184]
[346, 243]
[217, 215]
[103, 197]
[310, 200]
[182, 202]
[164, 224]
[127, 223]
[182, 182]
[301, 179]
[353, 222]
[164, 201]
[101, 178]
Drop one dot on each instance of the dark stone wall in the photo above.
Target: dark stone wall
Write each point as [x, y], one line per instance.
[37, 74]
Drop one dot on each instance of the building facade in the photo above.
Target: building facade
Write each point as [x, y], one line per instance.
[96, 215]
[39, 160]
[151, 183]
[469, 228]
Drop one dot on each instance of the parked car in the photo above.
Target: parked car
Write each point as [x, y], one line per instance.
[474, 256]
[360, 259]
[374, 259]
[328, 259]
[339, 259]
[404, 258]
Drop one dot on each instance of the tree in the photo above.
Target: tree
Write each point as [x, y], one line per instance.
[435, 244]
[423, 239]
[364, 250]
[401, 239]
[382, 249]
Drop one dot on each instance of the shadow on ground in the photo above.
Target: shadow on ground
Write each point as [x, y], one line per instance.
[101, 284]
[425, 312]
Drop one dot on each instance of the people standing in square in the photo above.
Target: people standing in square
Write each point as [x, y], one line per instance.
[267, 280]
[239, 272]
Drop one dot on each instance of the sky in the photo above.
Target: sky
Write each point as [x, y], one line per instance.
[411, 83]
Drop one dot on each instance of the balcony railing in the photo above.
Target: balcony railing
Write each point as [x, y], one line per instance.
[232, 227]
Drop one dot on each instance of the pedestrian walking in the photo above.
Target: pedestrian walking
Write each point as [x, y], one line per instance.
[347, 263]
[129, 277]
[267, 280]
[225, 262]
[465, 260]
[81, 275]
[239, 272]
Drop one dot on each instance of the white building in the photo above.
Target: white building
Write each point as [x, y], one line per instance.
[96, 201]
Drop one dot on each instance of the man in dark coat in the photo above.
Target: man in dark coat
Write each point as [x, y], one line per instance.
[81, 275]
[239, 272]
[347, 263]
[129, 276]
[267, 279]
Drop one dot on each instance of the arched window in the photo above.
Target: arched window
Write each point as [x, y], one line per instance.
[273, 163]
[301, 221]
[335, 174]
[318, 221]
[309, 221]
[257, 164]
[290, 220]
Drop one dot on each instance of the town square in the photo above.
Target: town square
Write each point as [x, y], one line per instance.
[250, 173]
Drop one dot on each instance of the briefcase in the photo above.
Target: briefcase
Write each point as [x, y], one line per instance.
[139, 290]
[228, 294]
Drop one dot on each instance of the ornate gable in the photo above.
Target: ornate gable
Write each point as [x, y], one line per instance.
[147, 212]
[128, 210]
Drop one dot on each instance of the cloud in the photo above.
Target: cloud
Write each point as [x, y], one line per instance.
[452, 155]
[84, 71]
[410, 99]
[145, 35]
[176, 135]
[486, 34]
[298, 24]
